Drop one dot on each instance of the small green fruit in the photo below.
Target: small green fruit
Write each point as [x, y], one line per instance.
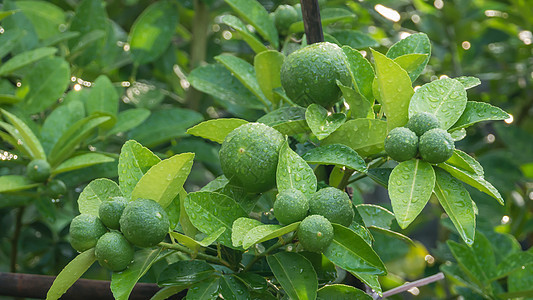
[111, 211]
[422, 122]
[291, 206]
[144, 223]
[56, 188]
[284, 16]
[315, 233]
[249, 156]
[85, 230]
[333, 204]
[114, 252]
[401, 144]
[436, 146]
[38, 170]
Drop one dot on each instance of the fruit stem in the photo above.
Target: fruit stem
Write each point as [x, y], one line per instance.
[281, 242]
[312, 24]
[203, 256]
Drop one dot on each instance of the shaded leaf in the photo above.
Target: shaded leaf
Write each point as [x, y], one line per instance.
[207, 289]
[185, 272]
[25, 58]
[232, 288]
[255, 14]
[59, 121]
[355, 39]
[250, 38]
[26, 136]
[341, 292]
[129, 119]
[81, 161]
[103, 99]
[327, 16]
[14, 183]
[375, 215]
[295, 274]
[359, 106]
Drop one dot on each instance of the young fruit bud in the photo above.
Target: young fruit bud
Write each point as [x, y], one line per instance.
[401, 144]
[315, 233]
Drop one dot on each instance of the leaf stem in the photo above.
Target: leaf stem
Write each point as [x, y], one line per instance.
[281, 242]
[203, 256]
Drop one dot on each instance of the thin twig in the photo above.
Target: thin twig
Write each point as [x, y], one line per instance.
[206, 257]
[410, 285]
[15, 240]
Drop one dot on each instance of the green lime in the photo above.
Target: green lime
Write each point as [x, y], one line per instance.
[310, 75]
[56, 188]
[333, 204]
[284, 16]
[401, 144]
[436, 146]
[113, 251]
[144, 222]
[290, 206]
[85, 230]
[249, 156]
[422, 122]
[111, 211]
[315, 233]
[38, 170]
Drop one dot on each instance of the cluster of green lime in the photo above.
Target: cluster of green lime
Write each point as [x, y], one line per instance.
[285, 15]
[421, 135]
[119, 226]
[328, 205]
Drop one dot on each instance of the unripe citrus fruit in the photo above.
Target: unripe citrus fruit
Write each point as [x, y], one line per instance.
[111, 211]
[315, 233]
[333, 204]
[38, 170]
[436, 146]
[284, 16]
[249, 156]
[85, 230]
[309, 75]
[422, 122]
[401, 144]
[56, 188]
[113, 251]
[291, 206]
[144, 222]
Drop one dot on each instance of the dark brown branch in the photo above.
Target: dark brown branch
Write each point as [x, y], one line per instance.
[312, 23]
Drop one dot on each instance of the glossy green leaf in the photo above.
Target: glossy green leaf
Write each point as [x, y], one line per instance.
[216, 130]
[361, 71]
[365, 136]
[411, 63]
[12, 136]
[81, 161]
[240, 228]
[70, 274]
[267, 66]
[129, 119]
[163, 181]
[445, 98]
[350, 251]
[327, 16]
[26, 136]
[417, 43]
[514, 262]
[209, 211]
[232, 288]
[45, 17]
[477, 112]
[336, 154]
[167, 292]
[410, 187]
[468, 263]
[380, 175]
[207, 289]
[194, 244]
[9, 99]
[468, 81]
[375, 215]
[370, 280]
[96, 192]
[134, 161]
[25, 58]
[122, 283]
[355, 39]
[13, 183]
[295, 274]
[484, 253]
[185, 272]
[255, 14]
[360, 107]
[321, 122]
[394, 90]
[464, 161]
[341, 292]
[59, 121]
[294, 173]
[186, 224]
[259, 234]
[152, 31]
[103, 99]
[287, 120]
[457, 204]
[249, 37]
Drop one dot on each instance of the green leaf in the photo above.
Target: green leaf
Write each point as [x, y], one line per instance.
[250, 38]
[9, 99]
[464, 161]
[454, 271]
[134, 161]
[295, 274]
[207, 289]
[8, 13]
[350, 251]
[70, 274]
[96, 192]
[410, 187]
[14, 183]
[341, 292]
[45, 17]
[129, 119]
[411, 63]
[90, 18]
[477, 112]
[218, 82]
[152, 31]
[445, 98]
[167, 292]
[321, 122]
[216, 130]
[164, 180]
[287, 120]
[519, 283]
[185, 273]
[468, 263]
[468, 81]
[22, 26]
[473, 180]
[365, 136]
[9, 39]
[370, 280]
[233, 288]
[210, 211]
[514, 262]
[12, 137]
[293, 172]
[259, 234]
[26, 136]
[240, 228]
[394, 90]
[361, 71]
[244, 72]
[81, 161]
[267, 66]
[380, 175]
[103, 99]
[327, 16]
[46, 82]
[255, 14]
[122, 283]
[355, 39]
[375, 215]
[194, 244]
[359, 106]
[484, 252]
[338, 155]
[59, 121]
[457, 203]
[25, 58]
[417, 43]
